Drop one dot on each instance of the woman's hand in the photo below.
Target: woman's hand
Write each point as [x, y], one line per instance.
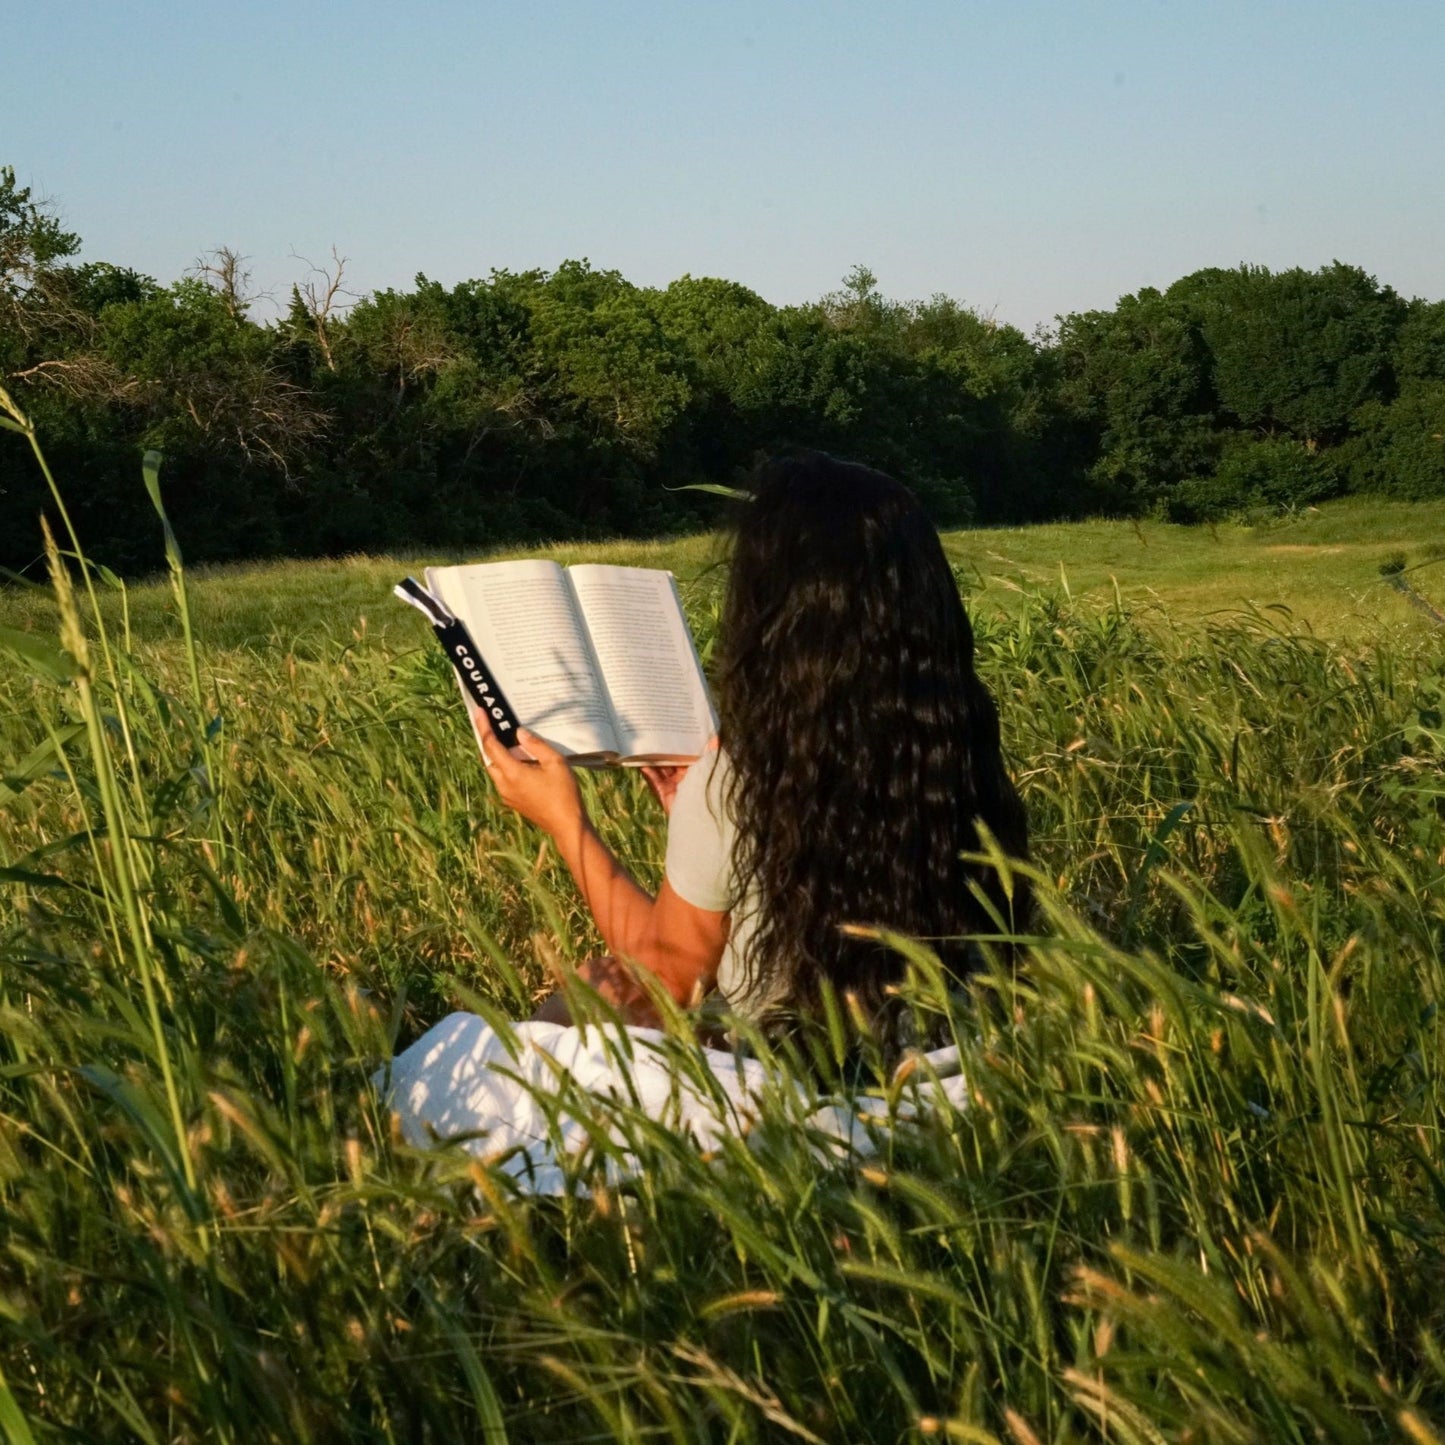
[663, 782]
[544, 792]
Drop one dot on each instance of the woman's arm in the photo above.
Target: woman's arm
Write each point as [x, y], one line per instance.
[667, 935]
[683, 954]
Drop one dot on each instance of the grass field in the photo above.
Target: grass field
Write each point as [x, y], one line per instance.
[1198, 1195]
[1322, 565]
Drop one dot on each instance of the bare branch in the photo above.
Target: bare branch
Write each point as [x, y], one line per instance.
[258, 411]
[319, 295]
[224, 270]
[85, 375]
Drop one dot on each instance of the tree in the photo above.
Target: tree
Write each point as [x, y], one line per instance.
[32, 240]
[600, 337]
[860, 306]
[33, 247]
[1138, 378]
[1298, 351]
[401, 337]
[1400, 447]
[205, 378]
[1419, 353]
[1271, 473]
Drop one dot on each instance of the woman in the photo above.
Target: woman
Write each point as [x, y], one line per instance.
[857, 756]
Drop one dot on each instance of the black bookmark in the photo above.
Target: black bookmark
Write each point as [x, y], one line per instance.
[462, 653]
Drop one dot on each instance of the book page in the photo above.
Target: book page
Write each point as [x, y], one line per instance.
[645, 654]
[524, 620]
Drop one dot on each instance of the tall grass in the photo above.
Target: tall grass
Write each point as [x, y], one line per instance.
[1198, 1193]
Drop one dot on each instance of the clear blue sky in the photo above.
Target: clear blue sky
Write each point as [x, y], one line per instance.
[1026, 156]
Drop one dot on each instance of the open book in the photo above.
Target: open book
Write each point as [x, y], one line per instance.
[595, 660]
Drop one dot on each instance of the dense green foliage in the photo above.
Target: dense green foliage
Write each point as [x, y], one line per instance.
[1198, 1194]
[570, 403]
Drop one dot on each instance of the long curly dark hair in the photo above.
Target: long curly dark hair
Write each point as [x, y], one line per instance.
[864, 747]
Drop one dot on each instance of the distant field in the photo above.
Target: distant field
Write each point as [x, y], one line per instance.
[1324, 566]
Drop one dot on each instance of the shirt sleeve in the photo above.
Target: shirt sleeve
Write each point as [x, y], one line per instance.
[699, 839]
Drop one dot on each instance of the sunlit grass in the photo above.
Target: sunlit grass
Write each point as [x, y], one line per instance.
[1322, 567]
[1198, 1195]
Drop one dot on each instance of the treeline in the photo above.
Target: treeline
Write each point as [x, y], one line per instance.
[571, 403]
